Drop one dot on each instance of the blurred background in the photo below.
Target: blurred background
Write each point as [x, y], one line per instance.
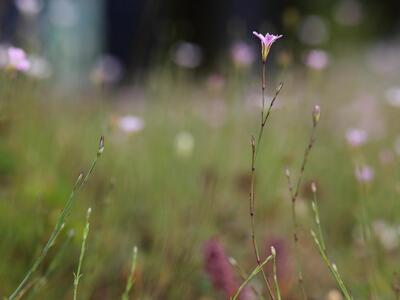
[175, 88]
[73, 37]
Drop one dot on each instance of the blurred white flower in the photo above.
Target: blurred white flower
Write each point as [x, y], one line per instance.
[317, 59]
[187, 55]
[130, 124]
[393, 96]
[334, 295]
[364, 174]
[313, 30]
[242, 54]
[349, 12]
[387, 235]
[29, 7]
[108, 70]
[184, 144]
[40, 67]
[356, 137]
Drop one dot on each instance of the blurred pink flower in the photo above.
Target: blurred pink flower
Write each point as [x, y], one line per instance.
[266, 43]
[130, 124]
[242, 54]
[17, 60]
[356, 137]
[317, 59]
[364, 174]
[220, 271]
[218, 268]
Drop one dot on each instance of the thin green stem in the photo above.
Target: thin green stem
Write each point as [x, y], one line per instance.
[242, 273]
[53, 265]
[131, 280]
[319, 241]
[332, 268]
[60, 222]
[278, 290]
[78, 274]
[317, 219]
[266, 116]
[251, 276]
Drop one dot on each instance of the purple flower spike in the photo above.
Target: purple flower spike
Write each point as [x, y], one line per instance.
[218, 268]
[266, 43]
[17, 59]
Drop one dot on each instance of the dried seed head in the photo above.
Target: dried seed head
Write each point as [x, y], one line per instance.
[313, 187]
[253, 143]
[79, 179]
[316, 114]
[101, 146]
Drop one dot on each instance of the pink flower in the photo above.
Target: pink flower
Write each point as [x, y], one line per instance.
[219, 270]
[317, 59]
[364, 174]
[266, 43]
[17, 59]
[356, 137]
[130, 124]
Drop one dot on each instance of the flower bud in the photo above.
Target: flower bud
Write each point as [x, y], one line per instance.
[101, 146]
[316, 114]
[313, 187]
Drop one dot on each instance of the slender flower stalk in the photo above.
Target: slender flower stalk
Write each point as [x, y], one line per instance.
[266, 42]
[295, 238]
[80, 182]
[252, 213]
[131, 280]
[78, 274]
[243, 275]
[294, 193]
[319, 241]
